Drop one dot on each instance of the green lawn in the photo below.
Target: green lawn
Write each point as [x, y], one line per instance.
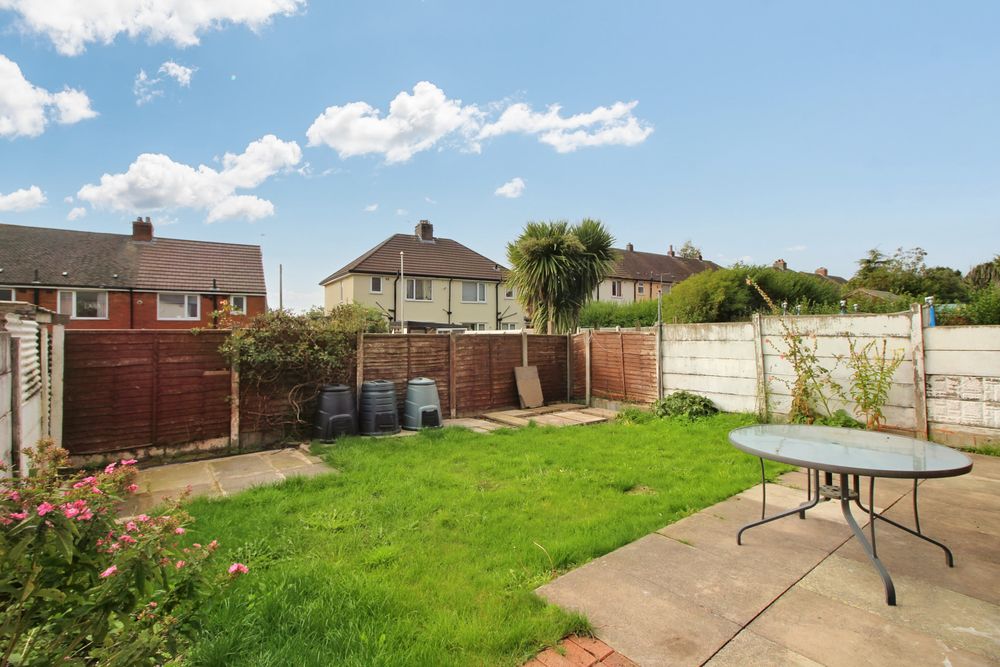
[426, 549]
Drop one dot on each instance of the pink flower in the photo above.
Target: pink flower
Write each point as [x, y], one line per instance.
[86, 481]
[114, 547]
[14, 495]
[70, 511]
[45, 508]
[4, 521]
[142, 518]
[18, 515]
[152, 605]
[129, 462]
[179, 531]
[196, 545]
[85, 515]
[130, 526]
[110, 468]
[213, 545]
[179, 564]
[238, 569]
[96, 490]
[128, 539]
[108, 572]
[132, 488]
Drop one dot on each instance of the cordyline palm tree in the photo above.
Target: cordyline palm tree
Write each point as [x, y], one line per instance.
[555, 267]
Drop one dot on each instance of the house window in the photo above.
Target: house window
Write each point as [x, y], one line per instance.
[473, 292]
[616, 289]
[508, 293]
[178, 307]
[6, 294]
[640, 288]
[375, 285]
[238, 304]
[418, 289]
[84, 304]
[474, 326]
[508, 326]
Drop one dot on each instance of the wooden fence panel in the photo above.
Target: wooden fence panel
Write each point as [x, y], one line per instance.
[579, 345]
[548, 353]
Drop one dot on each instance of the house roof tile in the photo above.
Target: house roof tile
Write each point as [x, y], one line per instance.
[636, 265]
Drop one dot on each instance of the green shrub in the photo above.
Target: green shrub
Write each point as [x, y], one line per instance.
[597, 314]
[984, 307]
[684, 404]
[630, 415]
[80, 587]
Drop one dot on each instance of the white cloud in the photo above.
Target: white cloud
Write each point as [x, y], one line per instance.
[604, 126]
[76, 213]
[71, 24]
[179, 73]
[401, 211]
[25, 109]
[429, 200]
[427, 118]
[414, 123]
[24, 199]
[147, 88]
[796, 248]
[154, 181]
[371, 208]
[512, 189]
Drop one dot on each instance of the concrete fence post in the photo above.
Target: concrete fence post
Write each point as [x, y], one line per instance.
[919, 372]
[758, 357]
[659, 360]
[58, 363]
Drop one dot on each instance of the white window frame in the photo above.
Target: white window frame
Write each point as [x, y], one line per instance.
[480, 291]
[429, 291]
[12, 295]
[232, 309]
[616, 289]
[474, 326]
[197, 300]
[640, 288]
[508, 293]
[371, 283]
[72, 314]
[508, 326]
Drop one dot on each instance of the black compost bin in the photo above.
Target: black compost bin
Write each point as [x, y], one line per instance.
[378, 408]
[336, 412]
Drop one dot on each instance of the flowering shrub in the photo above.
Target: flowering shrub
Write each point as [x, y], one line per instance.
[78, 586]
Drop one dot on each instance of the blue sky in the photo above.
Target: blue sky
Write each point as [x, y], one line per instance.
[805, 131]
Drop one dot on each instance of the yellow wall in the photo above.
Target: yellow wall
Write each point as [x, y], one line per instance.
[356, 289]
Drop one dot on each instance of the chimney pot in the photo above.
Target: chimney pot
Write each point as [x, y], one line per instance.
[142, 230]
[822, 271]
[781, 264]
[671, 251]
[629, 247]
[425, 231]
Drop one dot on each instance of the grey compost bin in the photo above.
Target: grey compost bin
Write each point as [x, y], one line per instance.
[423, 407]
[336, 412]
[378, 408]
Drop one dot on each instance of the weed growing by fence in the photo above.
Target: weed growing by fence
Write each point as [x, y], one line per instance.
[684, 404]
[871, 379]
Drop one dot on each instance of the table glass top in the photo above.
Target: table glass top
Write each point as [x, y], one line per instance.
[850, 450]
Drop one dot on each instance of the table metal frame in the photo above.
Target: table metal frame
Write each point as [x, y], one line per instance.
[815, 492]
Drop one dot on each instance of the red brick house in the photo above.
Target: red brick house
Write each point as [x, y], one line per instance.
[119, 281]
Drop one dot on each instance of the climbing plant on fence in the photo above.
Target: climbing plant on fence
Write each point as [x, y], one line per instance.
[284, 358]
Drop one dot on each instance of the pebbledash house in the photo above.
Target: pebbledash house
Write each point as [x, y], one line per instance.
[137, 281]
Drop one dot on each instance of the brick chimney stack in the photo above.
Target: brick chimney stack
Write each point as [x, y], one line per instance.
[425, 231]
[142, 230]
[629, 247]
[671, 251]
[781, 265]
[823, 272]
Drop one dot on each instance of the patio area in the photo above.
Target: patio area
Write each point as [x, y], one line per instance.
[802, 592]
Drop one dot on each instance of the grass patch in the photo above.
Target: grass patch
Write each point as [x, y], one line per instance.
[426, 550]
[985, 450]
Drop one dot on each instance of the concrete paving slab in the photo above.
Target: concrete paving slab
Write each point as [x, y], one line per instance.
[780, 498]
[748, 649]
[239, 466]
[961, 621]
[646, 622]
[175, 476]
[285, 458]
[987, 467]
[835, 634]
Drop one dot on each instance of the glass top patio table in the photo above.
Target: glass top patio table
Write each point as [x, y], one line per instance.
[851, 451]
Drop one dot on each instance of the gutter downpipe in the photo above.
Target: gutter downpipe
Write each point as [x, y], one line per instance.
[450, 280]
[496, 298]
[399, 313]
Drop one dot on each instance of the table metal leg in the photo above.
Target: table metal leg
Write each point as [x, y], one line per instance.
[800, 510]
[948, 556]
[845, 506]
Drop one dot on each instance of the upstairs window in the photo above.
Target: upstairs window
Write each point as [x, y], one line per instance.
[616, 289]
[508, 293]
[418, 289]
[178, 307]
[238, 304]
[375, 285]
[473, 292]
[84, 304]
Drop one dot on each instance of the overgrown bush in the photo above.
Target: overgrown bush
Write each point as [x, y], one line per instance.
[631, 414]
[597, 314]
[79, 587]
[983, 307]
[684, 404]
[285, 357]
